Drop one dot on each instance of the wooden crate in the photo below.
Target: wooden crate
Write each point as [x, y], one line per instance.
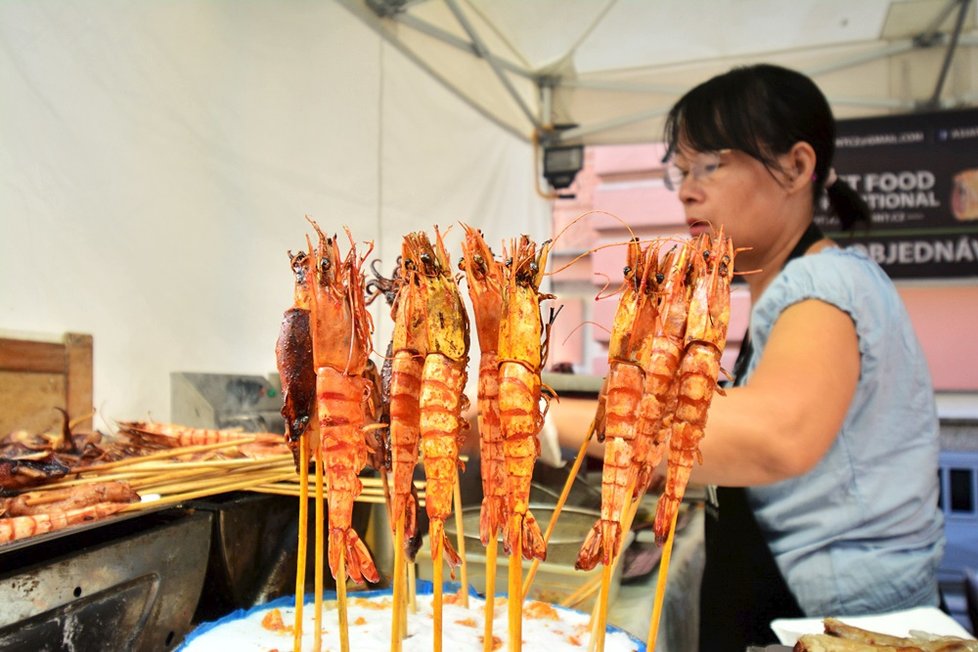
[37, 376]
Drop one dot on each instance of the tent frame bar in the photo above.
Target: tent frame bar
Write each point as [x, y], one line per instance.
[448, 38]
[548, 85]
[483, 52]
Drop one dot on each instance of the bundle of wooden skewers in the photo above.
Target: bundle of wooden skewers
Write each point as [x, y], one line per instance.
[163, 464]
[340, 413]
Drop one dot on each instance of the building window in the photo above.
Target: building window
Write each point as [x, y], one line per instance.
[961, 489]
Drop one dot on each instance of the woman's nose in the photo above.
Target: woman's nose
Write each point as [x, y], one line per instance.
[689, 190]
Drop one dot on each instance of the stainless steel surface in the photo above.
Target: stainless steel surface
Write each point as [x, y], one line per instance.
[679, 625]
[130, 585]
[252, 403]
[253, 552]
[573, 524]
[573, 383]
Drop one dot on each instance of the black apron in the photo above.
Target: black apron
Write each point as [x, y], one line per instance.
[743, 589]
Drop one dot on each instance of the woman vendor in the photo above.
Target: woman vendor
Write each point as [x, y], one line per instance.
[823, 459]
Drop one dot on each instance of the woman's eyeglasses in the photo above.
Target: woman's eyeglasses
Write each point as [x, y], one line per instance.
[700, 167]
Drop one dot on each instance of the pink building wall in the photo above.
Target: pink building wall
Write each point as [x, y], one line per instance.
[619, 192]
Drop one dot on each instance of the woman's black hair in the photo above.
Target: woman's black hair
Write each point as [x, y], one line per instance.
[763, 110]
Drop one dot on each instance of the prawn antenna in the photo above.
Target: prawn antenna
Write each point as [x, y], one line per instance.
[748, 272]
[572, 331]
[601, 296]
[589, 214]
[590, 251]
[595, 324]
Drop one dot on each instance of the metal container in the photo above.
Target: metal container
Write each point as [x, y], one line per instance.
[556, 578]
[573, 524]
[121, 584]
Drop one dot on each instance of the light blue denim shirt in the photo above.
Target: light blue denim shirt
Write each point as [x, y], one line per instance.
[861, 532]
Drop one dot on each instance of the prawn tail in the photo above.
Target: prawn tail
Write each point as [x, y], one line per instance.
[438, 538]
[359, 564]
[590, 551]
[410, 515]
[534, 547]
[492, 515]
[611, 541]
[668, 507]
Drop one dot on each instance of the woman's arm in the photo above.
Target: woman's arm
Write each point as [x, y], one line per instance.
[572, 418]
[784, 420]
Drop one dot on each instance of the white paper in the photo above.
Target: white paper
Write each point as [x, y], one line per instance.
[896, 623]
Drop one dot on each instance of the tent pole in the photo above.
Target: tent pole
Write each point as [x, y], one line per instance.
[930, 33]
[935, 99]
[568, 135]
[871, 102]
[897, 48]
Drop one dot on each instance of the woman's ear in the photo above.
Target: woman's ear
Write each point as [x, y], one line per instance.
[800, 165]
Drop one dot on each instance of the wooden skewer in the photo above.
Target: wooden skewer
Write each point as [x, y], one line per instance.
[300, 562]
[341, 602]
[412, 587]
[581, 454]
[142, 476]
[215, 482]
[172, 482]
[399, 579]
[281, 488]
[45, 498]
[154, 466]
[206, 489]
[75, 482]
[438, 588]
[601, 624]
[385, 483]
[585, 591]
[366, 481]
[287, 484]
[515, 603]
[167, 454]
[599, 614]
[490, 592]
[660, 585]
[151, 483]
[276, 490]
[320, 515]
[460, 541]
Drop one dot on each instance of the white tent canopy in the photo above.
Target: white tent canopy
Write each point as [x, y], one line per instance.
[159, 158]
[606, 71]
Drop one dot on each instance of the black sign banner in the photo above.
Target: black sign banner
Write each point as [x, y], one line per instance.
[919, 174]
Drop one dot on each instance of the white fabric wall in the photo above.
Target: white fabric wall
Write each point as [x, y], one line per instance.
[157, 159]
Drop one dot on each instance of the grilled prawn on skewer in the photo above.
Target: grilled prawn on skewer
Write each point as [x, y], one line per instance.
[443, 378]
[409, 347]
[632, 331]
[522, 353]
[661, 365]
[706, 336]
[341, 330]
[34, 503]
[20, 527]
[484, 277]
[293, 355]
